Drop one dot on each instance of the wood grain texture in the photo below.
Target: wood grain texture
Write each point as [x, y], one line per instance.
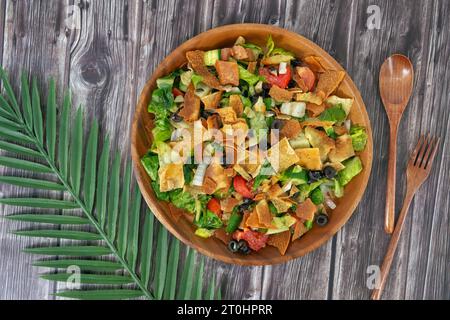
[23, 49]
[109, 59]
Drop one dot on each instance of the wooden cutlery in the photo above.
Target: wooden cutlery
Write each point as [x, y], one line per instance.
[418, 170]
[396, 82]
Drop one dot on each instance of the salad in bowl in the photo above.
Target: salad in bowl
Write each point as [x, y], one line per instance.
[253, 143]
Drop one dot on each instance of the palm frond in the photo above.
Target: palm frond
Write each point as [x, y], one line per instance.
[113, 224]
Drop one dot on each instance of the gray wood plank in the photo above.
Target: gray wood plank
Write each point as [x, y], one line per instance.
[363, 239]
[101, 71]
[428, 260]
[24, 47]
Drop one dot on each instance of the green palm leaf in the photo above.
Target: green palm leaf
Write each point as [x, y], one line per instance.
[15, 148]
[90, 278]
[40, 203]
[60, 234]
[86, 265]
[111, 294]
[51, 120]
[110, 215]
[49, 219]
[32, 183]
[24, 165]
[37, 112]
[79, 251]
[90, 172]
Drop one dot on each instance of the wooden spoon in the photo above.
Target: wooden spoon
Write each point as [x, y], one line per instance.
[396, 83]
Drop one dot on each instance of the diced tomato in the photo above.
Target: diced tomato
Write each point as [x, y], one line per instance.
[214, 206]
[307, 76]
[282, 80]
[240, 185]
[177, 92]
[256, 240]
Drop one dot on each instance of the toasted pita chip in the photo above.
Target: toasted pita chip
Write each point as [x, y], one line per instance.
[309, 158]
[306, 210]
[214, 122]
[209, 185]
[314, 63]
[195, 59]
[314, 109]
[274, 191]
[239, 53]
[253, 221]
[227, 114]
[171, 177]
[263, 212]
[228, 72]
[236, 104]
[316, 123]
[211, 101]
[328, 82]
[319, 139]
[228, 204]
[243, 224]
[299, 230]
[309, 97]
[216, 172]
[343, 149]
[191, 109]
[340, 130]
[280, 241]
[280, 95]
[281, 205]
[281, 156]
[291, 129]
[252, 66]
[238, 168]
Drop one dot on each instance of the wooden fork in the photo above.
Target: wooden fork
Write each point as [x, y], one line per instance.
[418, 170]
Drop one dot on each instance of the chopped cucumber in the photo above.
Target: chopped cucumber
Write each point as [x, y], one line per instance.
[211, 57]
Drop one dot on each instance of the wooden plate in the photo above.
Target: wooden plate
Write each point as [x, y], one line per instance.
[184, 229]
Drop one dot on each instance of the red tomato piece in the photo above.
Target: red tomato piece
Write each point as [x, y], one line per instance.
[307, 76]
[240, 185]
[282, 80]
[214, 206]
[177, 92]
[256, 240]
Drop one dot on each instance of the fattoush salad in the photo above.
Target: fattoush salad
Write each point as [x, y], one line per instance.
[253, 143]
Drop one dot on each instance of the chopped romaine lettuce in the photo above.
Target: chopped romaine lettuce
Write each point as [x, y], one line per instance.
[182, 200]
[270, 45]
[208, 220]
[162, 130]
[162, 102]
[359, 137]
[151, 165]
[248, 77]
[353, 167]
[336, 114]
[196, 79]
[294, 174]
[317, 196]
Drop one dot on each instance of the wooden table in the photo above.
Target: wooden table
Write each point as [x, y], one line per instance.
[117, 45]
